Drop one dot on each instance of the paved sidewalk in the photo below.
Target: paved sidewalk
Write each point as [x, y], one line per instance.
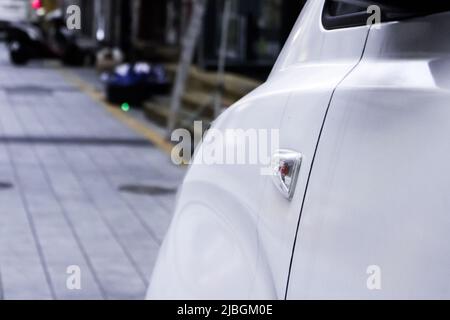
[77, 187]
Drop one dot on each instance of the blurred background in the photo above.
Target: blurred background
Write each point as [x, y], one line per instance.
[88, 99]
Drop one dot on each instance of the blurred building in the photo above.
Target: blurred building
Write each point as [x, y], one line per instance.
[105, 21]
[154, 29]
[258, 30]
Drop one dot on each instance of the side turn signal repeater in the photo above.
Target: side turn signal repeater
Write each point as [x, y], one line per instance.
[286, 167]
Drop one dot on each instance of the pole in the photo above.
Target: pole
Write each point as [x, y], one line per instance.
[187, 56]
[222, 59]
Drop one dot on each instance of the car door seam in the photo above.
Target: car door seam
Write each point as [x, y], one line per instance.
[314, 157]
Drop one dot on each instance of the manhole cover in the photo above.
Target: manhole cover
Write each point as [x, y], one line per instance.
[5, 185]
[147, 190]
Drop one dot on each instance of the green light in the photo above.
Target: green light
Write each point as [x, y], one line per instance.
[125, 107]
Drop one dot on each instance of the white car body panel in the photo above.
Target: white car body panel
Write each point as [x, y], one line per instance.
[14, 10]
[233, 233]
[380, 186]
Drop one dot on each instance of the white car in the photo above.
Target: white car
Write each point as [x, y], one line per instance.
[14, 10]
[358, 204]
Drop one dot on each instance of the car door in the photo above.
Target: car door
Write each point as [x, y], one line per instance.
[376, 218]
[314, 61]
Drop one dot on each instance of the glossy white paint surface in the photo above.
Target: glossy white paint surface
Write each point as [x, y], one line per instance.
[314, 79]
[380, 186]
[378, 191]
